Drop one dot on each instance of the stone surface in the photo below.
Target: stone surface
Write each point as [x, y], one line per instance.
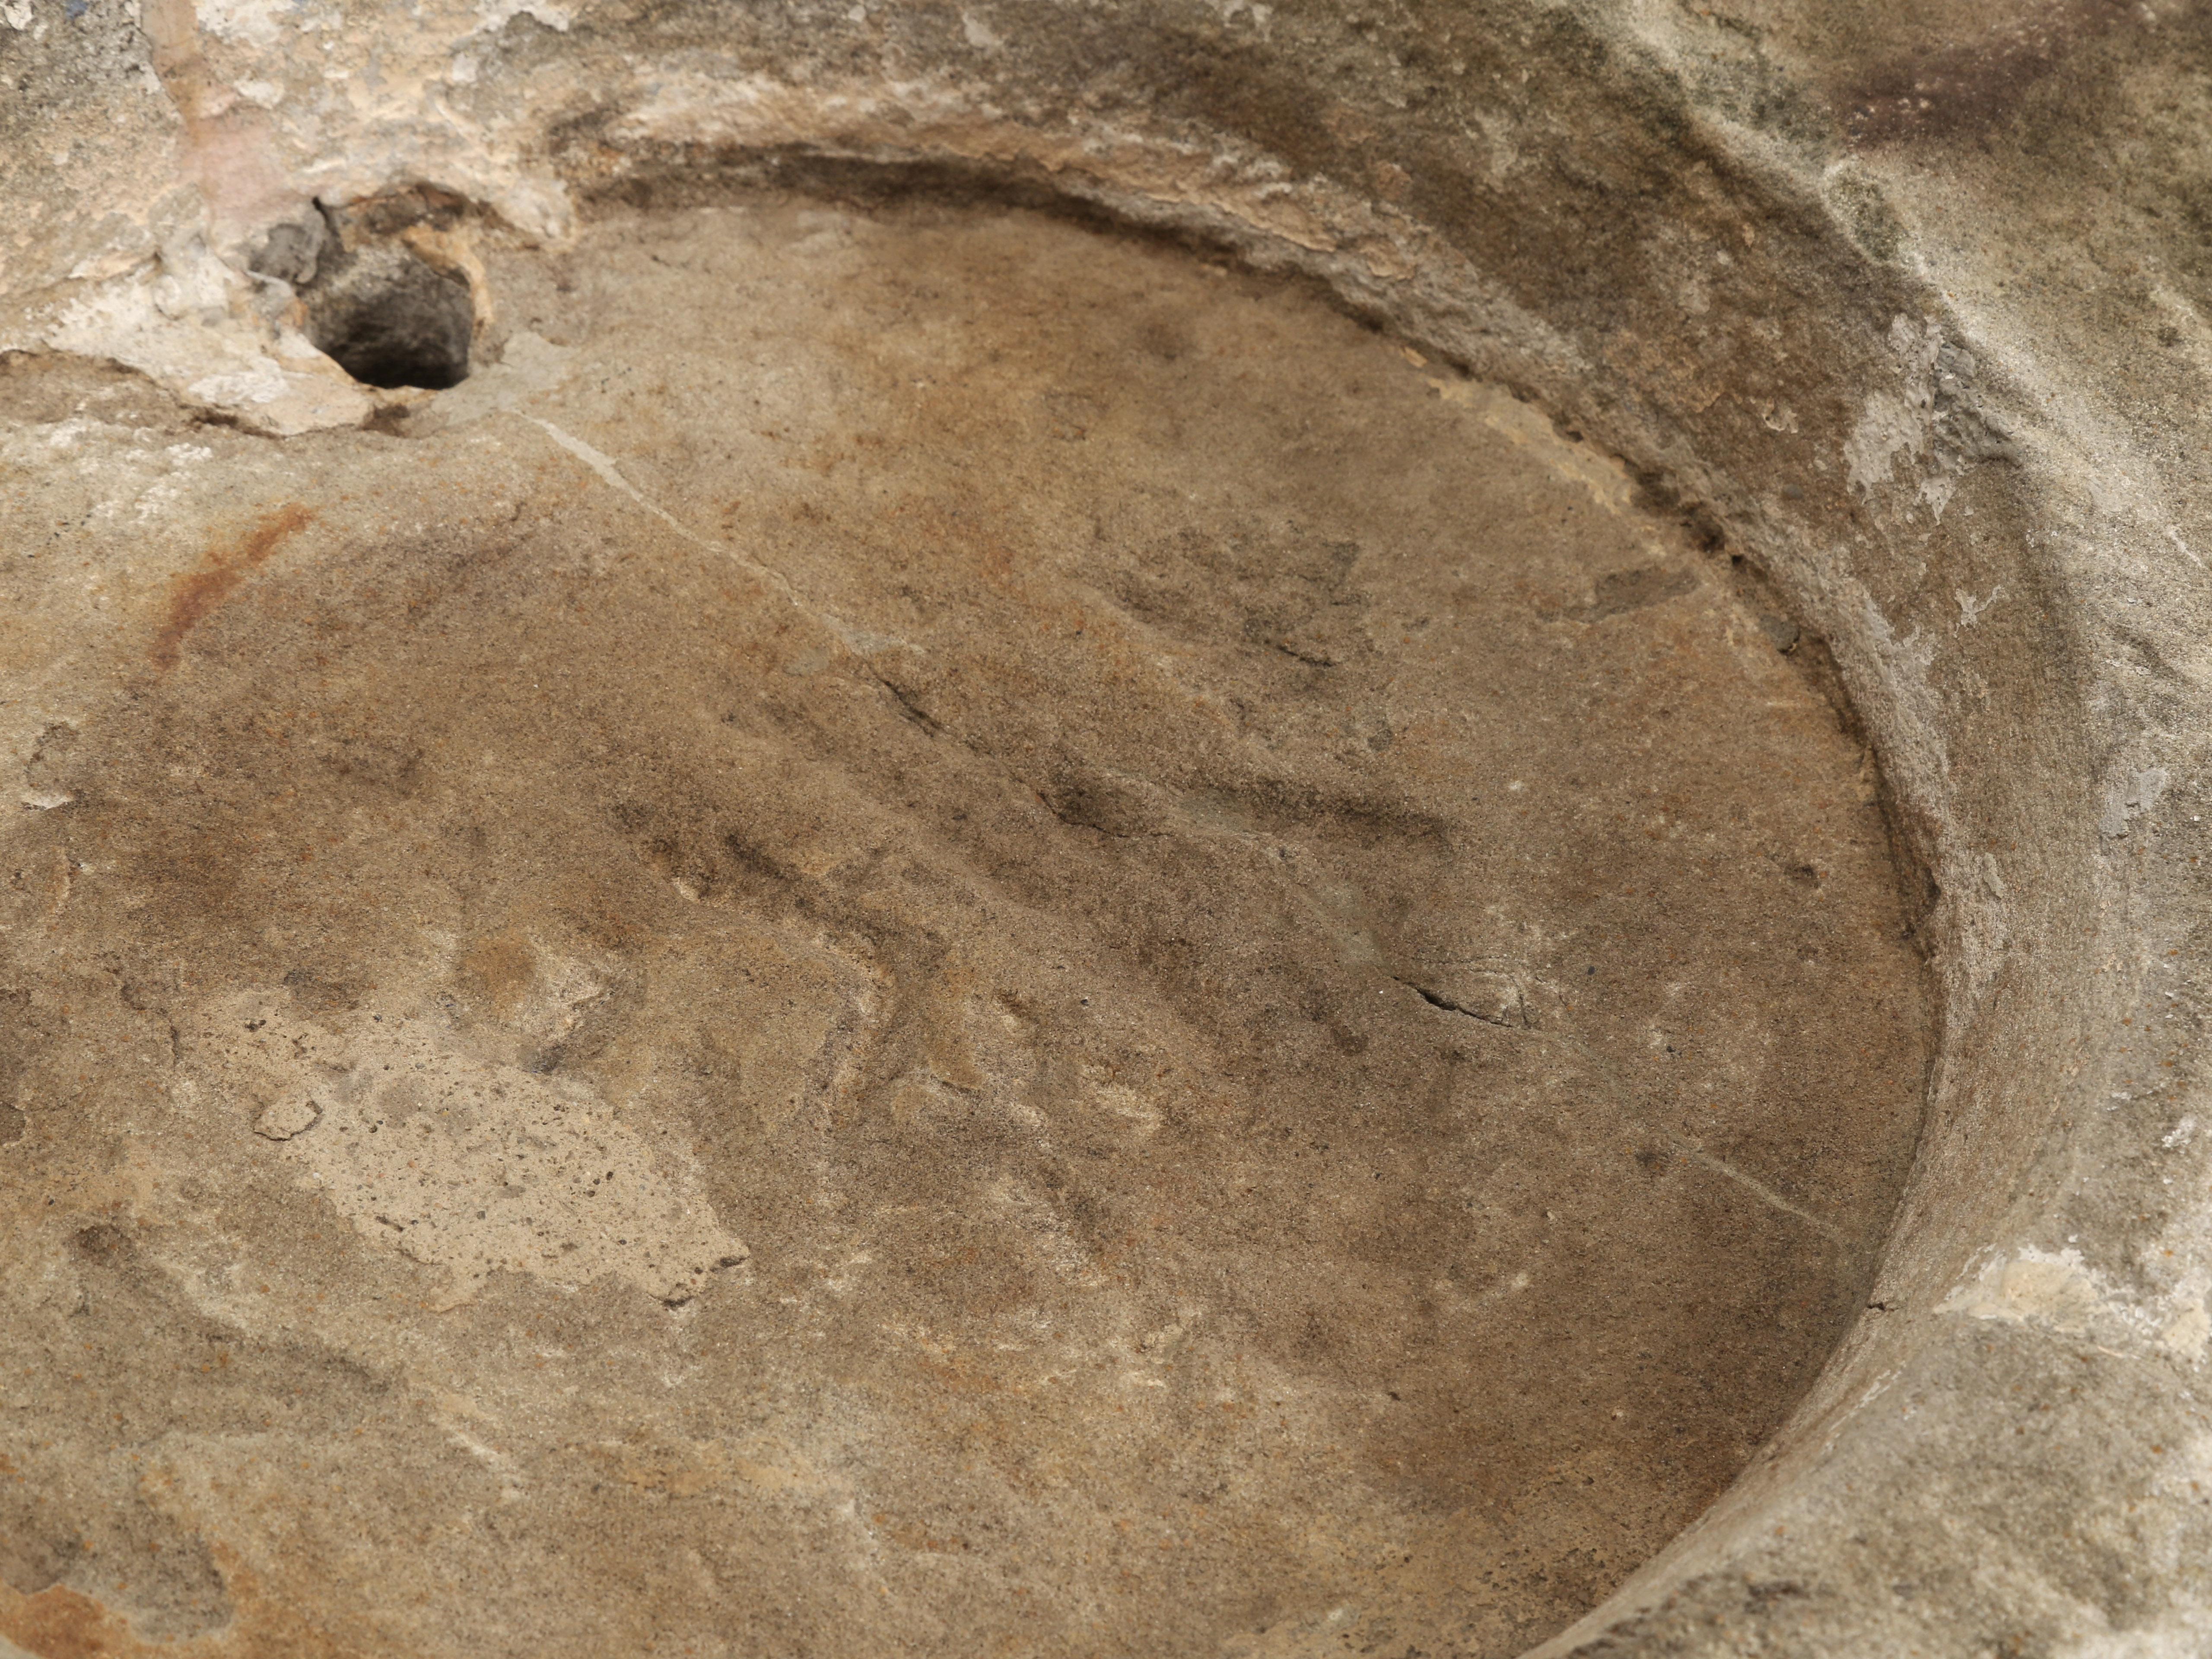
[1902, 306]
[981, 935]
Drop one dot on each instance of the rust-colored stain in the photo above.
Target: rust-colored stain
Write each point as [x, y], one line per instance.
[58, 1623]
[196, 593]
[61, 1623]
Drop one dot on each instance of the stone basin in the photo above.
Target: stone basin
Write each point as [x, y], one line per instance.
[1174, 831]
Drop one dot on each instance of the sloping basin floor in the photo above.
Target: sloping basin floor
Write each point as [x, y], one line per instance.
[931, 933]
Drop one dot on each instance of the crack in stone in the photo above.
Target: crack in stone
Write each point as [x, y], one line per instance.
[1450, 1007]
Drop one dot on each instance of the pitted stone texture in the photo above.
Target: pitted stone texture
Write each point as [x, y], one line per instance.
[949, 936]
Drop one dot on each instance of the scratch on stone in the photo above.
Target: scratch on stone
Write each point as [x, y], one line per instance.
[1758, 1188]
[857, 641]
[603, 463]
[474, 1446]
[1686, 1147]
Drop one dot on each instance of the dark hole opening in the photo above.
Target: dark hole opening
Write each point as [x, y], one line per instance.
[389, 319]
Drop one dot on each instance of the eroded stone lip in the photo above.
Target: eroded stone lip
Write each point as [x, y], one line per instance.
[1950, 452]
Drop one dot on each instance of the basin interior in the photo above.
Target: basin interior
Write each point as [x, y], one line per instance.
[930, 932]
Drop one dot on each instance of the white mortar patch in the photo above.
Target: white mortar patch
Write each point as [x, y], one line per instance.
[251, 21]
[496, 15]
[2057, 1290]
[2038, 1287]
[455, 1162]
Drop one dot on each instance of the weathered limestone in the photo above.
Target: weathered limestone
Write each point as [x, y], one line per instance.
[1893, 328]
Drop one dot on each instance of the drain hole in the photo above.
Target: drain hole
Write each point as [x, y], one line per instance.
[389, 319]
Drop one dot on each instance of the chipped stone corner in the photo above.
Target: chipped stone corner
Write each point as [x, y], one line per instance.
[207, 334]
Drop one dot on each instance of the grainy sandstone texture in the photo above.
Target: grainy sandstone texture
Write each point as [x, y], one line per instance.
[584, 743]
